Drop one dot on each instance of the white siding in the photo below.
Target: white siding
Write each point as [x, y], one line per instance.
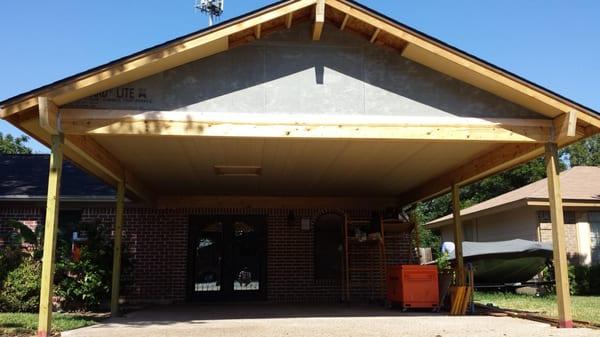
[520, 223]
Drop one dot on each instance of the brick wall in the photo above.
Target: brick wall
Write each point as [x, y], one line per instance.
[570, 239]
[30, 216]
[156, 241]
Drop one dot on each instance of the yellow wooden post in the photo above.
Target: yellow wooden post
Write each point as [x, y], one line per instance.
[50, 233]
[458, 236]
[116, 275]
[558, 238]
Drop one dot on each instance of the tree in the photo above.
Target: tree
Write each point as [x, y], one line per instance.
[585, 152]
[14, 145]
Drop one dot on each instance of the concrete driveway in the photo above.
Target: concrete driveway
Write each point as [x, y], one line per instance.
[265, 320]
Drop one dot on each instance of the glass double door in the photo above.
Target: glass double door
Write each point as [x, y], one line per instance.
[227, 257]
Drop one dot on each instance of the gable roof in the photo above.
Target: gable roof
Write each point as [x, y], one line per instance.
[412, 43]
[25, 178]
[579, 183]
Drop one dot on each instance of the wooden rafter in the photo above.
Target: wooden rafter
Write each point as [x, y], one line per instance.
[257, 32]
[289, 20]
[375, 34]
[319, 20]
[345, 21]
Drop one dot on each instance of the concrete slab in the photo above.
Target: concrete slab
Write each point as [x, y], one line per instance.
[266, 320]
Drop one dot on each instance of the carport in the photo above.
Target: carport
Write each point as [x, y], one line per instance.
[320, 104]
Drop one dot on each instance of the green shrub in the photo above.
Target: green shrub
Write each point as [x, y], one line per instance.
[80, 285]
[21, 288]
[85, 284]
[583, 280]
[10, 258]
[13, 252]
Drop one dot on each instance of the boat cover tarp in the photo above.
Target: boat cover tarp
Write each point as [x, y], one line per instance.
[516, 247]
[503, 262]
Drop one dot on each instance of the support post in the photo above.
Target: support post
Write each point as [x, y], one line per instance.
[116, 273]
[50, 233]
[458, 236]
[558, 238]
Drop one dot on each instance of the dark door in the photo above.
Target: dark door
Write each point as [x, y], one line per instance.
[227, 258]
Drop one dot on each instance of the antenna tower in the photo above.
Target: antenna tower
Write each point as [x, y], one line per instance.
[213, 8]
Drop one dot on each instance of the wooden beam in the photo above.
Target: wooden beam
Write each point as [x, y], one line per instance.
[319, 20]
[226, 201]
[118, 231]
[345, 21]
[90, 156]
[558, 237]
[590, 120]
[87, 148]
[458, 236]
[177, 123]
[288, 20]
[184, 50]
[50, 234]
[566, 203]
[565, 125]
[48, 115]
[257, 31]
[502, 158]
[375, 34]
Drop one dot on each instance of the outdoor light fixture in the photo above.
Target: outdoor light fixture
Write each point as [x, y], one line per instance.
[305, 224]
[236, 170]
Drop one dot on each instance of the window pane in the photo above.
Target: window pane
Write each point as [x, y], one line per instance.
[246, 257]
[207, 264]
[328, 246]
[594, 218]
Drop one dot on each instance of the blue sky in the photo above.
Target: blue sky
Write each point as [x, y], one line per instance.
[553, 43]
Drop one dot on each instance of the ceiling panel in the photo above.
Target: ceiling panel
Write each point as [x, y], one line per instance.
[300, 167]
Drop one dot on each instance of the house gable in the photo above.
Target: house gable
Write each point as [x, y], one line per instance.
[287, 72]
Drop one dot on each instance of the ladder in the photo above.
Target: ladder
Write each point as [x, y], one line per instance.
[365, 259]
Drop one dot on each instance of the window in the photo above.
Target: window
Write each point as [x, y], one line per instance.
[594, 218]
[469, 231]
[329, 246]
[544, 217]
[570, 217]
[69, 222]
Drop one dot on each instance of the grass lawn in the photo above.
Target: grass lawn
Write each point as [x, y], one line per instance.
[585, 308]
[25, 324]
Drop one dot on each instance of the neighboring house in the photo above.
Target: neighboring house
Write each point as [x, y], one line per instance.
[25, 183]
[524, 213]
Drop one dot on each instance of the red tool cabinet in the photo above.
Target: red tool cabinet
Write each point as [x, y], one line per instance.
[413, 286]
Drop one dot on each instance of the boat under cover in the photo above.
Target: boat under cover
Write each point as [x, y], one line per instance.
[506, 262]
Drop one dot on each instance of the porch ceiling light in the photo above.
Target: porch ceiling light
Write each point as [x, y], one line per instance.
[238, 170]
